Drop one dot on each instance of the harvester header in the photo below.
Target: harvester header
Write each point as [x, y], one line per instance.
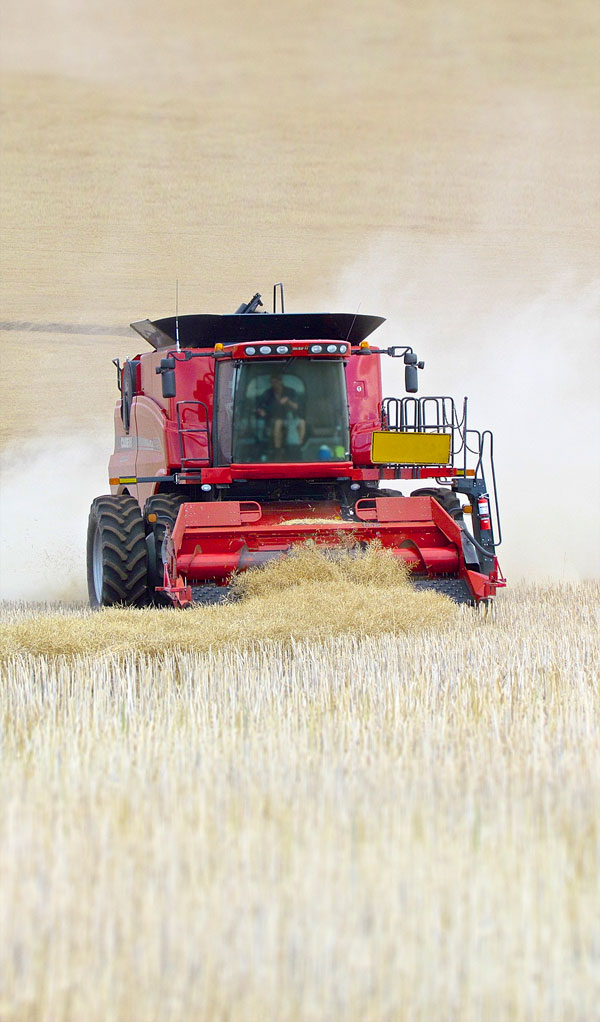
[241, 435]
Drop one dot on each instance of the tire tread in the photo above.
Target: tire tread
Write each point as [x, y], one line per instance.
[123, 550]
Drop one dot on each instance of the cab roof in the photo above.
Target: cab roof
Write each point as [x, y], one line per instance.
[206, 331]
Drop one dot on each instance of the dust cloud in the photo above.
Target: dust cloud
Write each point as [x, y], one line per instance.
[530, 368]
[46, 488]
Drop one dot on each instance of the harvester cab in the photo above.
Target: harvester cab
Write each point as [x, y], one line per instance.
[238, 436]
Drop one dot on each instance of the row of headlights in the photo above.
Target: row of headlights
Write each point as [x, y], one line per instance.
[331, 349]
[269, 349]
[286, 349]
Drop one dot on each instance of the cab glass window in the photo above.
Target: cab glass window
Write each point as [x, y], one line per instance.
[293, 411]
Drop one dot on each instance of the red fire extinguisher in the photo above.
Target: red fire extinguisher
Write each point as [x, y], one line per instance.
[483, 507]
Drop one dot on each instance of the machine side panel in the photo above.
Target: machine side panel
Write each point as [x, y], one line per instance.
[192, 409]
[149, 422]
[122, 460]
[363, 376]
[151, 384]
[192, 406]
[195, 378]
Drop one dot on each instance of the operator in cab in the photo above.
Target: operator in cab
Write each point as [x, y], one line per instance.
[282, 409]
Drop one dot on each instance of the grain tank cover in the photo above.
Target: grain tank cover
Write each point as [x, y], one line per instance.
[206, 331]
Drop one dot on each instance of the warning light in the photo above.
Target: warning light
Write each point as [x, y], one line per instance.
[218, 346]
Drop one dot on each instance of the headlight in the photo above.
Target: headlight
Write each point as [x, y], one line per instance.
[251, 351]
[316, 349]
[332, 348]
[283, 349]
[265, 349]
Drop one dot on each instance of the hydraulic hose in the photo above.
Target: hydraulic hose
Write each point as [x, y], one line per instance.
[489, 551]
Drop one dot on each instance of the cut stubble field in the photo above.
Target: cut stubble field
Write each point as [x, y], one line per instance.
[375, 823]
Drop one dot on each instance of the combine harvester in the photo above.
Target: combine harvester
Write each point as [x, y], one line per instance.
[241, 435]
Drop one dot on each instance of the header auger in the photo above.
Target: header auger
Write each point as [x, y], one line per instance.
[240, 435]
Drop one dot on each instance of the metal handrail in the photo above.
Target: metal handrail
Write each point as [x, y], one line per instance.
[438, 414]
[182, 432]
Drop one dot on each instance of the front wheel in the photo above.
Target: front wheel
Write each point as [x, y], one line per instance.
[448, 499]
[383, 492]
[117, 560]
[445, 498]
[165, 508]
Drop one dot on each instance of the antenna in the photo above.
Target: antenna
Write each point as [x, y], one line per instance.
[353, 322]
[177, 315]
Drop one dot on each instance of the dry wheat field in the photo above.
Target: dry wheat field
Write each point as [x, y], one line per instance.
[331, 799]
[367, 817]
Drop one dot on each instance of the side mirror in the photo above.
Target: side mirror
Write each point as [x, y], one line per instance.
[411, 374]
[167, 372]
[411, 379]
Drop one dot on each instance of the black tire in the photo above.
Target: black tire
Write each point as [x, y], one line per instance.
[451, 504]
[446, 498]
[117, 561]
[382, 492]
[348, 499]
[166, 507]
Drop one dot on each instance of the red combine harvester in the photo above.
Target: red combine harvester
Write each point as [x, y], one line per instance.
[241, 435]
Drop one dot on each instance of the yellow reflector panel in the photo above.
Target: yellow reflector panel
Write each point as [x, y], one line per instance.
[410, 448]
